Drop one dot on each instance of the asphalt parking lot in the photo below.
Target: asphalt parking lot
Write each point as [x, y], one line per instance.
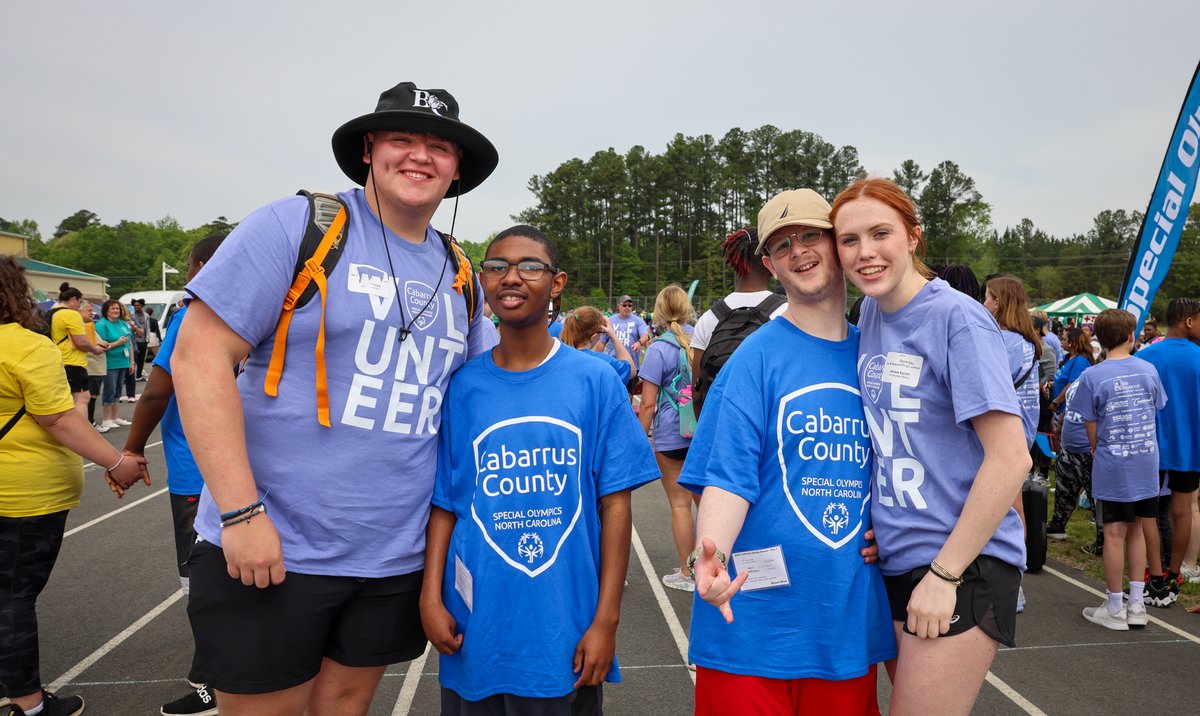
[114, 627]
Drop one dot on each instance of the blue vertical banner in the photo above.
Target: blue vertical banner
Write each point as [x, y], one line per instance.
[1167, 213]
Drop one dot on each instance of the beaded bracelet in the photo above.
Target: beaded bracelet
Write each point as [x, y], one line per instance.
[258, 510]
[941, 573]
[237, 513]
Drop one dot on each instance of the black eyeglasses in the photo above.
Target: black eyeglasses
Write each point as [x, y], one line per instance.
[780, 247]
[528, 270]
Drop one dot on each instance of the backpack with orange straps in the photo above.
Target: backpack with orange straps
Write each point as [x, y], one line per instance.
[319, 253]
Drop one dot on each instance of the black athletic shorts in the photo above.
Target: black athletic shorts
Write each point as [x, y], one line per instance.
[987, 599]
[676, 454]
[1182, 480]
[254, 641]
[584, 701]
[1113, 511]
[95, 385]
[77, 378]
[183, 515]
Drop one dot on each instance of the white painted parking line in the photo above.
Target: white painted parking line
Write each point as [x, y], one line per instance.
[114, 513]
[1094, 644]
[1100, 595]
[114, 642]
[660, 595]
[412, 679]
[1022, 703]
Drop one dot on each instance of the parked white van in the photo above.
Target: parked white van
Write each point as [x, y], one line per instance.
[164, 303]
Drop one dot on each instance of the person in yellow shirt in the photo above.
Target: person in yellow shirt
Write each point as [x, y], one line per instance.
[67, 332]
[97, 363]
[41, 439]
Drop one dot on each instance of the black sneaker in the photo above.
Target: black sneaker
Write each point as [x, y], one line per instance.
[55, 706]
[1158, 594]
[200, 701]
[1174, 581]
[1056, 532]
[1096, 549]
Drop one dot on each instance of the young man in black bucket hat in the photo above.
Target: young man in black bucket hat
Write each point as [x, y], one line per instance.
[319, 469]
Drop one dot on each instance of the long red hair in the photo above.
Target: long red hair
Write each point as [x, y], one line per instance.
[890, 193]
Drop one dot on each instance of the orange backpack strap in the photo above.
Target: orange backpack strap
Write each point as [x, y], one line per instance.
[312, 274]
[464, 276]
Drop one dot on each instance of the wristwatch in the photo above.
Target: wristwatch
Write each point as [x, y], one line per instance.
[695, 555]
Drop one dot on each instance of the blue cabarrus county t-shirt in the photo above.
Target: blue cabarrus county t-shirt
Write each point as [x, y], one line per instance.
[1020, 359]
[1068, 373]
[183, 477]
[621, 367]
[524, 459]
[1074, 433]
[660, 367]
[628, 331]
[925, 371]
[783, 428]
[1122, 397]
[352, 499]
[556, 329]
[1178, 363]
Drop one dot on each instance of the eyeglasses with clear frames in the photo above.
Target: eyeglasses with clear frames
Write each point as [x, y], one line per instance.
[528, 270]
[781, 246]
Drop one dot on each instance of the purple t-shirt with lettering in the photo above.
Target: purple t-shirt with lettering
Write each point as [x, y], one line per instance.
[1123, 398]
[925, 371]
[660, 368]
[1020, 359]
[352, 499]
[1074, 434]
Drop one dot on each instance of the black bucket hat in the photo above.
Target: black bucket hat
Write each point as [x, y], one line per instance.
[407, 108]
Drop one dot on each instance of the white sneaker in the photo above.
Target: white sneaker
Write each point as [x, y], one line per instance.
[101, 427]
[676, 580]
[134, 398]
[1100, 615]
[122, 399]
[1190, 573]
[123, 421]
[1020, 599]
[1135, 616]
[110, 424]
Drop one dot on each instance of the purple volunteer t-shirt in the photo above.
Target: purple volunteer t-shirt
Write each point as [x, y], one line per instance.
[1020, 359]
[351, 499]
[1074, 434]
[925, 371]
[660, 367]
[1122, 397]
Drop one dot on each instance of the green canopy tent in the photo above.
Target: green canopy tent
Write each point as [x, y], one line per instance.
[1078, 306]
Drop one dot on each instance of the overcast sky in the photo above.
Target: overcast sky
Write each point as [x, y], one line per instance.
[138, 110]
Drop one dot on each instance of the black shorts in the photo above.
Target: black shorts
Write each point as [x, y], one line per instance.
[77, 378]
[254, 641]
[676, 454]
[987, 599]
[95, 385]
[1113, 511]
[183, 516]
[584, 701]
[1182, 480]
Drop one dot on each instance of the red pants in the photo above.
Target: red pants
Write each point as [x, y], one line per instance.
[722, 694]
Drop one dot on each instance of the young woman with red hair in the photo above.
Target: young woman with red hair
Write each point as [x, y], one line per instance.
[950, 455]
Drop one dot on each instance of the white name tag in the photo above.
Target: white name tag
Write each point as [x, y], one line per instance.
[903, 369]
[464, 584]
[765, 567]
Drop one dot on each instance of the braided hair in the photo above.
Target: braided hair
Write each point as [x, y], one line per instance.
[738, 250]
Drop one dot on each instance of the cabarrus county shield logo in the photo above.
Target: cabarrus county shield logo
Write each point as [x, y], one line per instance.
[825, 457]
[420, 303]
[528, 496]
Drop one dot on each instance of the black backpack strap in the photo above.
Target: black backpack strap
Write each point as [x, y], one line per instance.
[768, 305]
[1025, 376]
[720, 309]
[322, 208]
[11, 422]
[50, 324]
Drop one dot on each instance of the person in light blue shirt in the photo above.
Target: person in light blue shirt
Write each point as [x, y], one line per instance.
[582, 329]
[1118, 400]
[950, 453]
[528, 538]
